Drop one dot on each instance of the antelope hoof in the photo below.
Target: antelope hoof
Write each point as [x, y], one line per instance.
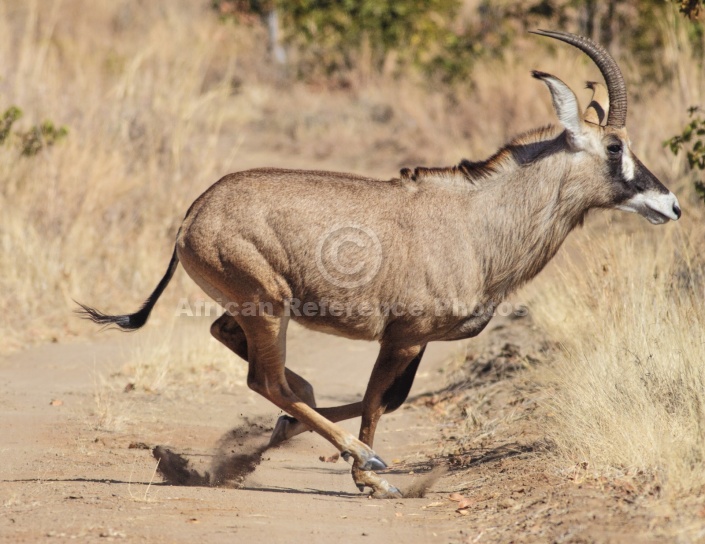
[281, 430]
[371, 462]
[374, 463]
[381, 489]
[390, 492]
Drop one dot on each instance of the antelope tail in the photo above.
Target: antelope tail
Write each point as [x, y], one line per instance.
[131, 322]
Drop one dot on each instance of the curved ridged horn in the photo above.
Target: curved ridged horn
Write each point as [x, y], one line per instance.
[608, 67]
[599, 105]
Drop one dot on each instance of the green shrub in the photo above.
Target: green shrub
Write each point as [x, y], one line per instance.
[8, 119]
[328, 38]
[33, 140]
[333, 32]
[332, 37]
[40, 136]
[692, 139]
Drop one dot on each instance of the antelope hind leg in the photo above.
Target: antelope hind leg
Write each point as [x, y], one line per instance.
[229, 333]
[266, 337]
[287, 427]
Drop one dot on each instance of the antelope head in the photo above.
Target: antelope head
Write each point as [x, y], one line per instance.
[600, 133]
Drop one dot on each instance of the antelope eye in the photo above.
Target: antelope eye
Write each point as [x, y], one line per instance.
[614, 149]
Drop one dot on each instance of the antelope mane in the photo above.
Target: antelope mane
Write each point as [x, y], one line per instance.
[523, 150]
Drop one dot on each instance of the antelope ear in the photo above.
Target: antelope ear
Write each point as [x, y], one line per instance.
[599, 105]
[566, 105]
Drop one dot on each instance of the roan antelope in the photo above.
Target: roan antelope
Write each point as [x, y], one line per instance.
[383, 260]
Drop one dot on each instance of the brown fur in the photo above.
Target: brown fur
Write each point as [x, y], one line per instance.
[260, 228]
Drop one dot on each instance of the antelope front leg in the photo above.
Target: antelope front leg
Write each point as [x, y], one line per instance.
[389, 385]
[396, 374]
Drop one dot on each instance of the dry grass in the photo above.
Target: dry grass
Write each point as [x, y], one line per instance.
[628, 391]
[165, 361]
[627, 303]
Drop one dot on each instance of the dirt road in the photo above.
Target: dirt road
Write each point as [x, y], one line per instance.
[67, 474]
[77, 436]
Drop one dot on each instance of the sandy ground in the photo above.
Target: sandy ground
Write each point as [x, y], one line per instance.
[65, 478]
[76, 459]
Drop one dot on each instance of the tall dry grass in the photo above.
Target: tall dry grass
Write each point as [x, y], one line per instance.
[626, 301]
[627, 391]
[92, 217]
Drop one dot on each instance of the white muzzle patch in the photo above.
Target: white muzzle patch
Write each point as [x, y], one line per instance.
[657, 207]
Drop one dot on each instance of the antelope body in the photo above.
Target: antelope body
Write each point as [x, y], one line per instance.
[395, 260]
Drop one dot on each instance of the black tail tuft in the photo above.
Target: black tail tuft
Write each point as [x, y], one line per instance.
[131, 322]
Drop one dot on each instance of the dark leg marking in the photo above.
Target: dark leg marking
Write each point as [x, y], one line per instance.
[396, 394]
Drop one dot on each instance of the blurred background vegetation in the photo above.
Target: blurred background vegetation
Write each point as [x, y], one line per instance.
[443, 38]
